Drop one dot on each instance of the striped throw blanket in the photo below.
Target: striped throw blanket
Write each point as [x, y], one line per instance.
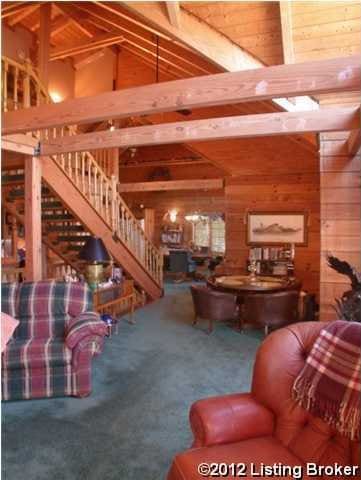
[329, 385]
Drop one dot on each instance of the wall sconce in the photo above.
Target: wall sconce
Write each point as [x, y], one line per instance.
[193, 218]
[56, 97]
[173, 216]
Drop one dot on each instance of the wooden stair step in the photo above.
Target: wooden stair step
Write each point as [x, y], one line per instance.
[55, 205]
[73, 248]
[61, 217]
[65, 228]
[73, 238]
[19, 192]
[7, 179]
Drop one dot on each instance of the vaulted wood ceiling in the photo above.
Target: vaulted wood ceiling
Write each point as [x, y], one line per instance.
[319, 29]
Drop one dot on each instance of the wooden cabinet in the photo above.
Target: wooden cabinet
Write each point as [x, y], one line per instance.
[117, 299]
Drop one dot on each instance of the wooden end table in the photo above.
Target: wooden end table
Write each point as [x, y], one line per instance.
[116, 299]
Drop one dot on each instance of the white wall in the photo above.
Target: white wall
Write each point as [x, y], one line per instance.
[19, 42]
[97, 77]
[15, 43]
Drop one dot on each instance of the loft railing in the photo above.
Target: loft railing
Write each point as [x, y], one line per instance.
[23, 89]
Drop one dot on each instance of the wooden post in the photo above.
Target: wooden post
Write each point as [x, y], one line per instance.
[114, 162]
[44, 42]
[286, 28]
[14, 240]
[149, 223]
[114, 212]
[33, 264]
[340, 196]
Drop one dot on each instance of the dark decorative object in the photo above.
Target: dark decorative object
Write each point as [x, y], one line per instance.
[349, 306]
[94, 251]
[95, 254]
[159, 174]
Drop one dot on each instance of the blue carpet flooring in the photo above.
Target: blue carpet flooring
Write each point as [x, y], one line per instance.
[137, 416]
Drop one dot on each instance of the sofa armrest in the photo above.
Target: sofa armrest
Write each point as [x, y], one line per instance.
[87, 324]
[228, 419]
[84, 350]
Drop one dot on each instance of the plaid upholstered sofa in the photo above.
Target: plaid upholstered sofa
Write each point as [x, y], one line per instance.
[51, 350]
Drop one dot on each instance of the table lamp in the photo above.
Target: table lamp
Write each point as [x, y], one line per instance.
[95, 254]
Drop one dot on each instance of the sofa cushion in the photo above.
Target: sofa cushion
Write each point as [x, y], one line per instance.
[36, 353]
[9, 298]
[8, 325]
[45, 308]
[252, 453]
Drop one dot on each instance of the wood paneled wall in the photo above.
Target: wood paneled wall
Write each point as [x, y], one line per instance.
[326, 29]
[273, 173]
[288, 192]
[340, 210]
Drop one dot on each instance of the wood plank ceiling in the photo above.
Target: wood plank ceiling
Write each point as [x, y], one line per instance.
[319, 29]
[255, 26]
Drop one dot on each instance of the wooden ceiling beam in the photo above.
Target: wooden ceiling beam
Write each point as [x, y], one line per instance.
[88, 59]
[286, 29]
[23, 14]
[325, 76]
[165, 163]
[354, 143]
[244, 126]
[134, 33]
[101, 41]
[162, 186]
[59, 25]
[149, 53]
[173, 10]
[78, 18]
[150, 61]
[197, 35]
[14, 8]
[118, 11]
[203, 39]
[19, 143]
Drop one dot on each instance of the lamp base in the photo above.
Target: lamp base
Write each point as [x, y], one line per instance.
[94, 275]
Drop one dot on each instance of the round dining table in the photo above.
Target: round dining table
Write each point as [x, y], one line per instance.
[248, 284]
[255, 293]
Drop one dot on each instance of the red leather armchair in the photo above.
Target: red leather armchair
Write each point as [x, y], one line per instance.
[265, 425]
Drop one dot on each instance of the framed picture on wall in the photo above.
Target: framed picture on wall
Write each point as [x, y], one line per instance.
[276, 228]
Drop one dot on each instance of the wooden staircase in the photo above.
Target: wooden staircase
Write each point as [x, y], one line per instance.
[78, 198]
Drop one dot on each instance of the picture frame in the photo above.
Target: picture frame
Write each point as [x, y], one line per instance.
[277, 228]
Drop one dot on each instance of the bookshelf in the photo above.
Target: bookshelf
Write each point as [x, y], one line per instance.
[278, 261]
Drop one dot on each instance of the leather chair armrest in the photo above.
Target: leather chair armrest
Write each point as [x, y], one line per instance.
[229, 419]
[87, 324]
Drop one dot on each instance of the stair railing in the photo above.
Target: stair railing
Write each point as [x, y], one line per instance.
[23, 89]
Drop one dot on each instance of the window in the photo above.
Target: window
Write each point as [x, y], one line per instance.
[210, 232]
[201, 233]
[218, 235]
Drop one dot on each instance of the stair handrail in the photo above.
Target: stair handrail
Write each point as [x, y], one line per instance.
[100, 191]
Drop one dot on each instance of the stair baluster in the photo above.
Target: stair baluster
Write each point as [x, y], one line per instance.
[82, 169]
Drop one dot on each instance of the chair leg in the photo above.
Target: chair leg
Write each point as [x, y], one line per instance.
[195, 320]
[210, 328]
